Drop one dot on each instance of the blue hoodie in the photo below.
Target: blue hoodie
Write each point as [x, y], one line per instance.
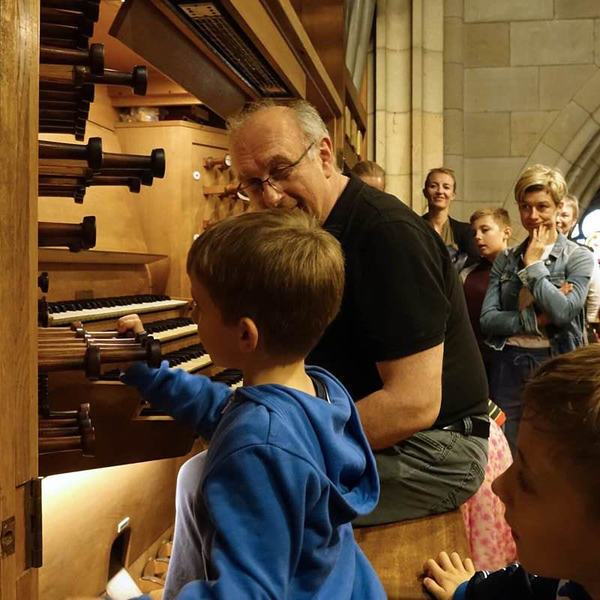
[285, 474]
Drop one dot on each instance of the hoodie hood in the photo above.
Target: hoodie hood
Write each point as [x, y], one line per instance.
[326, 434]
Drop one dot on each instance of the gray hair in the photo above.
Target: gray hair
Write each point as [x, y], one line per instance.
[308, 119]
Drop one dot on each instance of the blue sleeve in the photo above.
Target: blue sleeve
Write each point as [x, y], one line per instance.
[510, 582]
[461, 591]
[192, 399]
[494, 319]
[257, 499]
[560, 309]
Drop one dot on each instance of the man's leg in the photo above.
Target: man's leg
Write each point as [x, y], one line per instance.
[186, 563]
[431, 472]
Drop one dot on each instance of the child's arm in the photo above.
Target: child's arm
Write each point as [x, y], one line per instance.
[446, 575]
[192, 399]
[449, 578]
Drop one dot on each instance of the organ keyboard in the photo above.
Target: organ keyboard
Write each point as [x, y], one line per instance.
[67, 311]
[171, 329]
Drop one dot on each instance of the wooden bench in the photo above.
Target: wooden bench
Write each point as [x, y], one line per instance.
[397, 551]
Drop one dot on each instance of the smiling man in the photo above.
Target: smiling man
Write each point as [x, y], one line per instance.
[402, 343]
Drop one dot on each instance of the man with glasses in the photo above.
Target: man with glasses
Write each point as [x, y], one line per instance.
[402, 343]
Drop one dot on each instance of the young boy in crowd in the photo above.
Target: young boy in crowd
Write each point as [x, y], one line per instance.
[551, 493]
[288, 466]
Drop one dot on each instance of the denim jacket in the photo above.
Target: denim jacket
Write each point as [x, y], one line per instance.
[500, 315]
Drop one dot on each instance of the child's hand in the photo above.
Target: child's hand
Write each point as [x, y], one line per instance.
[443, 576]
[130, 323]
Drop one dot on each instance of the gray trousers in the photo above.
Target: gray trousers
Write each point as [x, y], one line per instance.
[431, 472]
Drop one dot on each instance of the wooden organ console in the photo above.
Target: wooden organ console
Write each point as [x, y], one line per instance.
[109, 463]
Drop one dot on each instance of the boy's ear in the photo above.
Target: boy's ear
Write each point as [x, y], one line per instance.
[248, 335]
[508, 232]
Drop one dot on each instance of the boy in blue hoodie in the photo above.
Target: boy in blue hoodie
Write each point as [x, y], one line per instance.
[288, 466]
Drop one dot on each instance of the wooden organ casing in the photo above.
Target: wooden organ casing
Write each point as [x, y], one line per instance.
[141, 243]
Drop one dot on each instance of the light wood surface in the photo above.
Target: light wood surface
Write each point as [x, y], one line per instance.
[399, 550]
[18, 225]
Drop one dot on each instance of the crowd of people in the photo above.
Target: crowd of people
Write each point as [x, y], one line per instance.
[403, 320]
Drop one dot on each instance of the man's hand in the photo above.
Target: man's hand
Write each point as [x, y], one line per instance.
[444, 575]
[130, 323]
[540, 238]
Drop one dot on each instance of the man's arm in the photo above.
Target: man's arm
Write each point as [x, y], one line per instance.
[409, 400]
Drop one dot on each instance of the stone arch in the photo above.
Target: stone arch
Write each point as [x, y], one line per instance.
[572, 142]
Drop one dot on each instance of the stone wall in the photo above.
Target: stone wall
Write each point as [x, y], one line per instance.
[521, 85]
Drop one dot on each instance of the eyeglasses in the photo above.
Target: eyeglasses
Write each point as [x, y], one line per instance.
[255, 187]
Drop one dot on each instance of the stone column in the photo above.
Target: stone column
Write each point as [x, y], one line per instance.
[409, 103]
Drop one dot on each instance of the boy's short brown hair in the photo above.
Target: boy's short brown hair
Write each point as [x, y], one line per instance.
[278, 267]
[500, 216]
[562, 399]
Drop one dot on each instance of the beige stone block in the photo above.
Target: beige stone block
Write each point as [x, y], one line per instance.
[487, 45]
[380, 78]
[588, 96]
[398, 157]
[565, 126]
[487, 134]
[453, 8]
[398, 86]
[544, 155]
[433, 25]
[433, 82]
[453, 85]
[597, 41]
[399, 186]
[552, 42]
[501, 88]
[381, 25]
[581, 139]
[380, 139]
[432, 150]
[491, 179]
[508, 10]
[576, 9]
[563, 165]
[596, 115]
[526, 130]
[559, 84]
[398, 16]
[453, 131]
[453, 40]
[456, 163]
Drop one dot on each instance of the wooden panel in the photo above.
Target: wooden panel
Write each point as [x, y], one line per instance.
[81, 512]
[399, 550]
[324, 93]
[18, 264]
[174, 209]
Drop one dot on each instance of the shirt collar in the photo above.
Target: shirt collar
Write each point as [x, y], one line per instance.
[339, 218]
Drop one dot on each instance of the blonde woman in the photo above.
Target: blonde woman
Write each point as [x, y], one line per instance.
[534, 305]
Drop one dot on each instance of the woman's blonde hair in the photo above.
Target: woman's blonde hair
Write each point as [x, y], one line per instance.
[540, 178]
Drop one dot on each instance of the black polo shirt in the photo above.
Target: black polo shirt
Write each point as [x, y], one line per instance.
[402, 296]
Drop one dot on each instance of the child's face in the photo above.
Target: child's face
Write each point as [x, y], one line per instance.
[217, 337]
[489, 236]
[549, 516]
